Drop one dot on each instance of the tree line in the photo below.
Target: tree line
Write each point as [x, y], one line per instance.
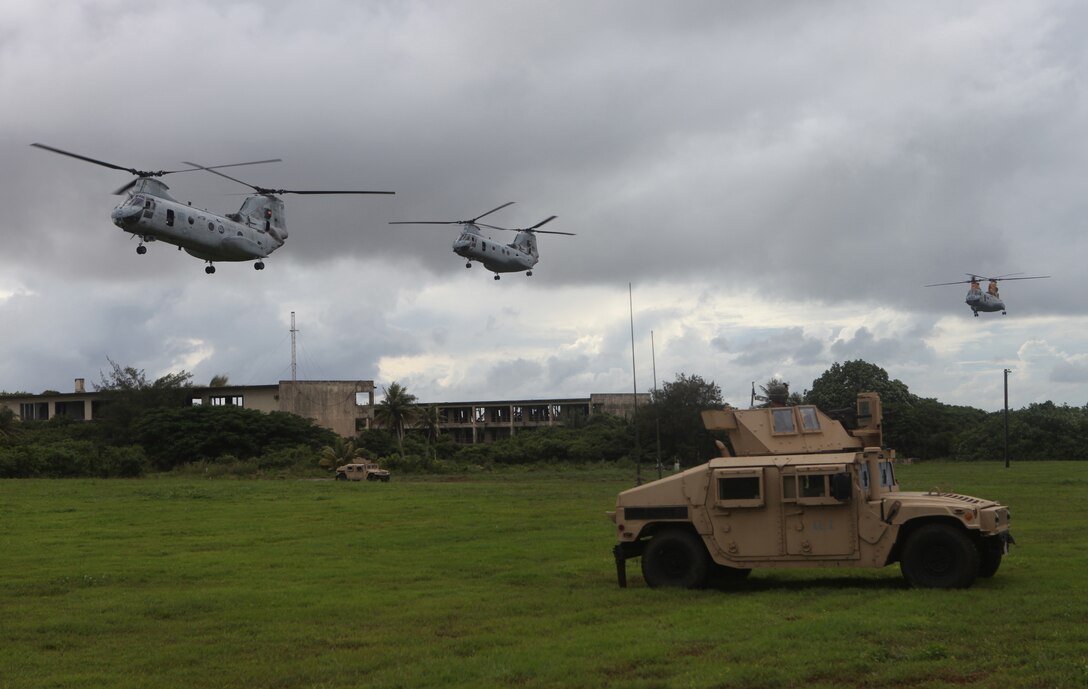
[147, 426]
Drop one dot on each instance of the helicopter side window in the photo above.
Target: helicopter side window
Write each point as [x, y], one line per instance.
[149, 208]
[191, 220]
[211, 227]
[169, 218]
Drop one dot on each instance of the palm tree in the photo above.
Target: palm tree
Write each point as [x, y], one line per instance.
[427, 415]
[396, 411]
[340, 452]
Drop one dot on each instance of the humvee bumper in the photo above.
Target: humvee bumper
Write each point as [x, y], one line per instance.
[623, 552]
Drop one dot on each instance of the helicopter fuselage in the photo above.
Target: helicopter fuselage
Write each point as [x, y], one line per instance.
[983, 301]
[253, 233]
[519, 255]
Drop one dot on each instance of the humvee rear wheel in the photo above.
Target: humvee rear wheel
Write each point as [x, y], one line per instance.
[675, 559]
[990, 551]
[939, 556]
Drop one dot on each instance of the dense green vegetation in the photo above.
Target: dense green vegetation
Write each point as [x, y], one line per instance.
[498, 580]
[147, 427]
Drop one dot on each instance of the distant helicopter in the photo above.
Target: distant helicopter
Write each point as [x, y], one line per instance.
[990, 300]
[150, 213]
[520, 254]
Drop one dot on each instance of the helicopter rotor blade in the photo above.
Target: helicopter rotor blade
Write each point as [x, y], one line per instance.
[295, 191]
[530, 229]
[425, 222]
[456, 222]
[91, 160]
[508, 203]
[976, 278]
[957, 282]
[569, 234]
[274, 192]
[222, 174]
[123, 189]
[545, 221]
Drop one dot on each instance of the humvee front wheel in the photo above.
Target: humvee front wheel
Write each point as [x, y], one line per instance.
[939, 556]
[675, 559]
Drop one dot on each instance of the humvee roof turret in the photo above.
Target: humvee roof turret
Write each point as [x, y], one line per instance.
[795, 488]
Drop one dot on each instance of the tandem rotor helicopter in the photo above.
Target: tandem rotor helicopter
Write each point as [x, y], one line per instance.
[990, 300]
[520, 254]
[151, 214]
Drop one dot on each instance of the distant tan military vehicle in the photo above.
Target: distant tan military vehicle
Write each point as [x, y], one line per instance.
[795, 488]
[362, 471]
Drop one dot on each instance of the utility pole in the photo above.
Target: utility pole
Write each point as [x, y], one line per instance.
[294, 367]
[634, 381]
[1006, 418]
[657, 412]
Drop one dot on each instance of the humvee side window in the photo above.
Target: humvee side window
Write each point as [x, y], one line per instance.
[783, 420]
[739, 487]
[812, 486]
[806, 488]
[810, 422]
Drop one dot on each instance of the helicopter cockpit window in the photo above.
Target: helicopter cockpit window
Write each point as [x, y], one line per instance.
[783, 420]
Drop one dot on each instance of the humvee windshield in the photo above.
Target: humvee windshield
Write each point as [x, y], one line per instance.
[887, 475]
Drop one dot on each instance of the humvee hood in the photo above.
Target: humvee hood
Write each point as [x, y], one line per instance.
[949, 499]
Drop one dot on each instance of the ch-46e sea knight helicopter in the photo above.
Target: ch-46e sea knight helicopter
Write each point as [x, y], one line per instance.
[990, 300]
[520, 254]
[151, 214]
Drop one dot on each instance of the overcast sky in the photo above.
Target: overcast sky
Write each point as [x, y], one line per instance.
[775, 180]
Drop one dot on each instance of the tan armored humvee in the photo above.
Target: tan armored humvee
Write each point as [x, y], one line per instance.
[362, 471]
[796, 489]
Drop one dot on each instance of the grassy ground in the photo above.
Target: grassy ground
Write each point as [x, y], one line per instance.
[497, 581]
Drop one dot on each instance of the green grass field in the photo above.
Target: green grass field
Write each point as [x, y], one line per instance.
[498, 581]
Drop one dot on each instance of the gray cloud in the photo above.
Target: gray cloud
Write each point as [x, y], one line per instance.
[823, 162]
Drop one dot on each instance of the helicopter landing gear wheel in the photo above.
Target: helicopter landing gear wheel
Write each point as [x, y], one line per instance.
[209, 269]
[141, 250]
[469, 264]
[529, 274]
[496, 276]
[259, 265]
